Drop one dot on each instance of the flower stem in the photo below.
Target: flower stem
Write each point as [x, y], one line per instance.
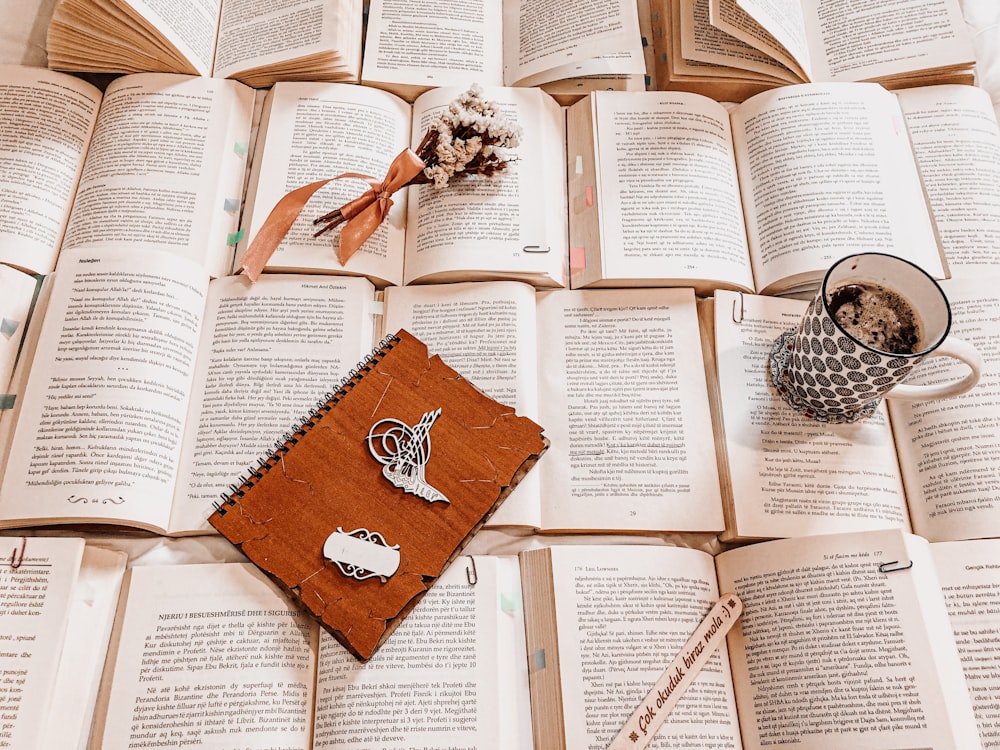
[332, 220]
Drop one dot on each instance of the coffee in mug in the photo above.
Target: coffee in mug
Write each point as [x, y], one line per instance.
[874, 318]
[877, 316]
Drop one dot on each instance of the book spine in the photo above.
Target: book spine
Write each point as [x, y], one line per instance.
[323, 407]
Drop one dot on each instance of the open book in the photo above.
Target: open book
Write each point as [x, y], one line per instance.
[614, 376]
[845, 641]
[511, 226]
[502, 43]
[257, 43]
[732, 49]
[194, 643]
[919, 465]
[141, 410]
[158, 160]
[671, 188]
[59, 598]
[153, 387]
[213, 655]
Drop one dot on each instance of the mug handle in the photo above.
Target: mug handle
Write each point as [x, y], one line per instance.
[950, 347]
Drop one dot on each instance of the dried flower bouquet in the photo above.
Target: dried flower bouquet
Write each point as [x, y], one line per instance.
[471, 137]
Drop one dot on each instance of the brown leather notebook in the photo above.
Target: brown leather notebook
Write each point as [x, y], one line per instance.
[358, 512]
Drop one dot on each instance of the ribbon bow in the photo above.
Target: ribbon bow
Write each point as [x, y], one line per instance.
[363, 214]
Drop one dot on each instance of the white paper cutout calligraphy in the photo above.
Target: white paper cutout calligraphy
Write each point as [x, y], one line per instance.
[403, 452]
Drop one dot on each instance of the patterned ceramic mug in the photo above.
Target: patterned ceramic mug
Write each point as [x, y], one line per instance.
[874, 318]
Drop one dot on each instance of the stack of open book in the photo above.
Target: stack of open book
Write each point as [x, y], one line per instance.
[876, 639]
[732, 49]
[617, 285]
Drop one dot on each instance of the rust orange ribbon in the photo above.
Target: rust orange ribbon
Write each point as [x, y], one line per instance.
[363, 214]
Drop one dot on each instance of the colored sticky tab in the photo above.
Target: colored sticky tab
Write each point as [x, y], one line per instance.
[9, 326]
[241, 148]
[233, 237]
[509, 602]
[579, 164]
[376, 307]
[231, 205]
[7, 400]
[590, 195]
[577, 258]
[538, 659]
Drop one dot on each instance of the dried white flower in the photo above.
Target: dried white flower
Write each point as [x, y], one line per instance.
[470, 137]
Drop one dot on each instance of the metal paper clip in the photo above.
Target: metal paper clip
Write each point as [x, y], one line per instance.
[17, 556]
[893, 566]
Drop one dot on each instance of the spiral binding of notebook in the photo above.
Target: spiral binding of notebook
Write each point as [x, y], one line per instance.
[323, 406]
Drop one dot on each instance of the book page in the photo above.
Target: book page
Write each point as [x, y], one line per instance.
[731, 83]
[602, 67]
[951, 126]
[511, 226]
[91, 616]
[209, 655]
[791, 475]
[166, 168]
[970, 579]
[704, 42]
[728, 17]
[37, 579]
[541, 38]
[832, 652]
[671, 198]
[453, 674]
[189, 26]
[430, 43]
[22, 370]
[869, 39]
[486, 332]
[317, 131]
[622, 613]
[568, 89]
[781, 22]
[48, 121]
[254, 36]
[271, 351]
[827, 169]
[623, 399]
[17, 293]
[99, 431]
[951, 463]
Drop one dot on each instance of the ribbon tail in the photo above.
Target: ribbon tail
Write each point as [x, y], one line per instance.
[360, 227]
[275, 227]
[365, 213]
